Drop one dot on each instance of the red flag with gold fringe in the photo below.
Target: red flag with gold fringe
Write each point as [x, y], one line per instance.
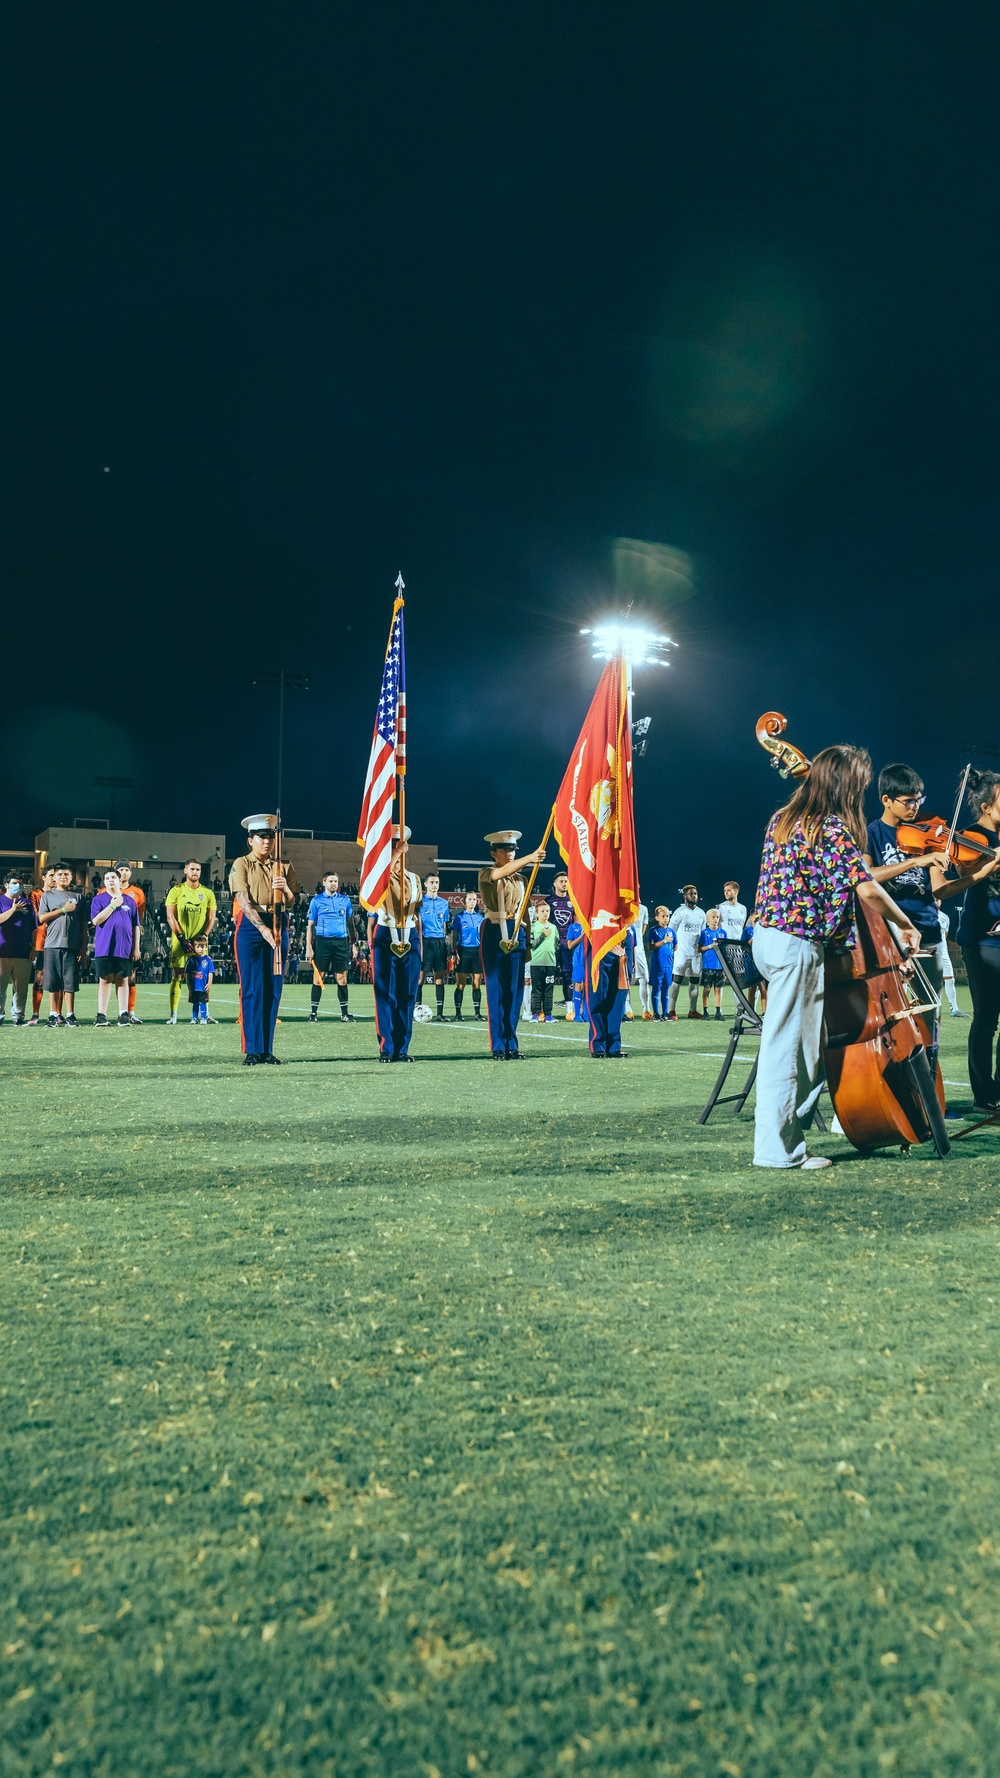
[595, 820]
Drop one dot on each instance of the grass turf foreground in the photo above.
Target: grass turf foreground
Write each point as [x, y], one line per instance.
[464, 1418]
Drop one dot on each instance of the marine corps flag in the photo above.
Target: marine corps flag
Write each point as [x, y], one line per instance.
[595, 824]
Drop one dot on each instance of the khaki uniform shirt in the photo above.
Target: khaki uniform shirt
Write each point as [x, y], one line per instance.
[388, 913]
[502, 898]
[251, 877]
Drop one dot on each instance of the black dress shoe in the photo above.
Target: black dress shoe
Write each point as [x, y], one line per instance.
[272, 1061]
[499, 1055]
[250, 1061]
[385, 1058]
[402, 1058]
[514, 1056]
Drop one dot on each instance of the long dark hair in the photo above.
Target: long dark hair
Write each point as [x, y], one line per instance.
[836, 785]
[981, 790]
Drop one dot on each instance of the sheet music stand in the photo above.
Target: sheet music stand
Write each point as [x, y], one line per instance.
[738, 969]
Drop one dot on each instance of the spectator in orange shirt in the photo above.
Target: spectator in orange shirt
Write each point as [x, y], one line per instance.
[133, 890]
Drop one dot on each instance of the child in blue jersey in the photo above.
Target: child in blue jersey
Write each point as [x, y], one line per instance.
[199, 970]
[578, 959]
[712, 977]
[465, 930]
[662, 939]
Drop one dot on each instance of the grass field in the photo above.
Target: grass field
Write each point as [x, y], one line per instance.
[465, 1418]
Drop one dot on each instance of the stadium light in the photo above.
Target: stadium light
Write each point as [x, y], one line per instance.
[640, 647]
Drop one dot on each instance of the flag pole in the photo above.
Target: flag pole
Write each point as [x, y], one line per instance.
[510, 944]
[402, 948]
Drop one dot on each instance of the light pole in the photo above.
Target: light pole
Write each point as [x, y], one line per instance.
[111, 782]
[638, 647]
[284, 681]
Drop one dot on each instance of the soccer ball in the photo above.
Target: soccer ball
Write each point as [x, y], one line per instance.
[422, 1014]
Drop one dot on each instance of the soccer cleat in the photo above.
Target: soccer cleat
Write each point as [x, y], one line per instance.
[347, 1018]
[694, 1015]
[459, 1018]
[479, 1017]
[718, 1015]
[73, 1022]
[196, 1021]
[172, 1019]
[313, 1016]
[671, 1018]
[439, 1019]
[133, 1020]
[124, 1021]
[101, 1019]
[959, 1014]
[570, 1017]
[208, 1020]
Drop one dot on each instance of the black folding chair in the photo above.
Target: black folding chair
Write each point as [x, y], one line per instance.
[738, 969]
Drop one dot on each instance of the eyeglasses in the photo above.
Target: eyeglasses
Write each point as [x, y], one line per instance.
[912, 802]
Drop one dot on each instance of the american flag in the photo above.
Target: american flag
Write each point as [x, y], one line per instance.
[388, 758]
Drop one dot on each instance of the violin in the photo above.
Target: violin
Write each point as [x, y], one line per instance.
[965, 850]
[875, 1037]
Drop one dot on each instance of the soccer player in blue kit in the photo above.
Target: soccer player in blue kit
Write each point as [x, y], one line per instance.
[466, 928]
[435, 919]
[329, 942]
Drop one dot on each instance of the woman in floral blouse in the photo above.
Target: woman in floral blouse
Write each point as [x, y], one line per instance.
[811, 868]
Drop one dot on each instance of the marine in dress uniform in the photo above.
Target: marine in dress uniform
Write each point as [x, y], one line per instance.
[606, 1003]
[255, 885]
[501, 888]
[396, 978]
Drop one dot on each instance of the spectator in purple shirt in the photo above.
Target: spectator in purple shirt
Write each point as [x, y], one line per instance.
[17, 941]
[115, 920]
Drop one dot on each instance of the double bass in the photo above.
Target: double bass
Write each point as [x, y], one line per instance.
[875, 1037]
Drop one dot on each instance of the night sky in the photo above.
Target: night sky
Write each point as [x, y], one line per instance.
[298, 296]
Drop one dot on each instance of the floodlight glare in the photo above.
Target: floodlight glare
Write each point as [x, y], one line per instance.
[639, 646]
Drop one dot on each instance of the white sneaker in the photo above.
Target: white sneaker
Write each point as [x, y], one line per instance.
[813, 1162]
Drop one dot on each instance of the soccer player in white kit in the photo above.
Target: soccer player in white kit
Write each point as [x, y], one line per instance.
[687, 921]
[640, 964]
[732, 913]
[947, 967]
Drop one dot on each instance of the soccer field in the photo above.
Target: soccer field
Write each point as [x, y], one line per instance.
[462, 1418]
